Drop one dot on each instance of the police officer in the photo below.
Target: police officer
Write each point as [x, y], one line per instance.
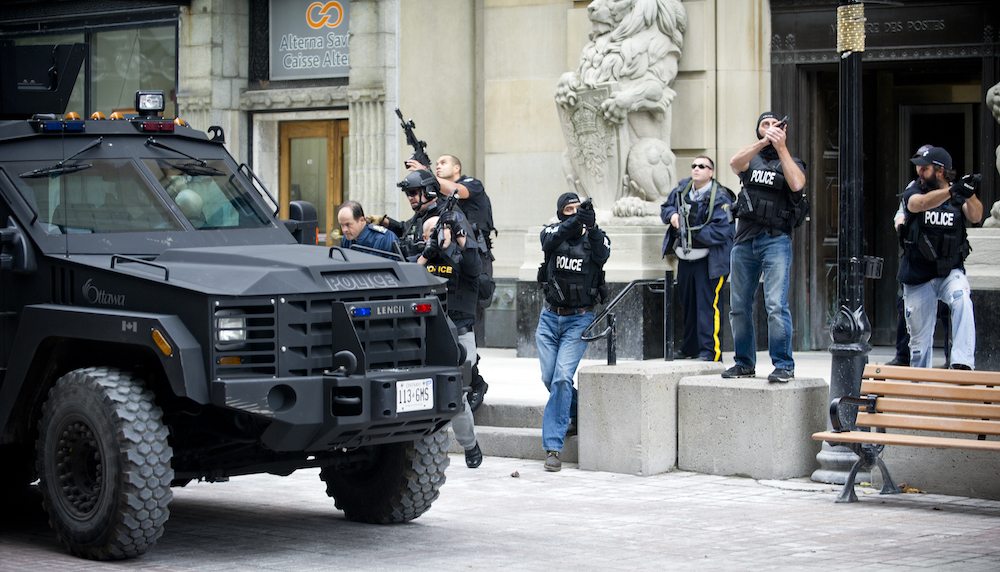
[451, 256]
[701, 237]
[575, 252]
[932, 268]
[476, 206]
[357, 230]
[423, 193]
[902, 356]
[769, 207]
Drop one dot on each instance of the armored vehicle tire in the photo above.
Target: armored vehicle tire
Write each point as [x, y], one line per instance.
[398, 484]
[104, 464]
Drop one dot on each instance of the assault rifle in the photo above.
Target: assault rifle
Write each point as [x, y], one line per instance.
[419, 147]
[683, 210]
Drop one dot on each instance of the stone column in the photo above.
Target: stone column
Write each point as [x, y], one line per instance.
[213, 68]
[368, 149]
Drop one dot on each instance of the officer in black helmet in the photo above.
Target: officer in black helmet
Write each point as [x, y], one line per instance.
[575, 252]
[424, 194]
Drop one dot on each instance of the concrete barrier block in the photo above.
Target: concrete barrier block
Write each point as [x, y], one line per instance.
[750, 427]
[627, 414]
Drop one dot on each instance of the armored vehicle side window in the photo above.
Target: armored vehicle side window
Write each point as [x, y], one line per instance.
[208, 194]
[107, 196]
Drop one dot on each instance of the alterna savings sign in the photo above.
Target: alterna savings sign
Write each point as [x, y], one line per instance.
[309, 39]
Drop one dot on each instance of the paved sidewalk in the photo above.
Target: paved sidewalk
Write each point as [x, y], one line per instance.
[573, 520]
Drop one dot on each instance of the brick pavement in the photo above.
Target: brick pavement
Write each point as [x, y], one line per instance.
[485, 519]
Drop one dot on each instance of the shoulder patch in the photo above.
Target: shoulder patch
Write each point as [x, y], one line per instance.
[378, 228]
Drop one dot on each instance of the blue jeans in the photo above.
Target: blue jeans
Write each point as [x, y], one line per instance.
[772, 257]
[560, 350]
[920, 301]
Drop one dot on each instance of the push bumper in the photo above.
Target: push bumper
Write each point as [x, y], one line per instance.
[320, 413]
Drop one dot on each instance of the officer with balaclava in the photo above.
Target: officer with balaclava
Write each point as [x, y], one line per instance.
[769, 207]
[575, 252]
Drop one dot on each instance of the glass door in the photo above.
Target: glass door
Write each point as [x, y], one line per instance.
[313, 167]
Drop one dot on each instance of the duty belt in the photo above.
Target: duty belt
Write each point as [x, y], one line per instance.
[569, 311]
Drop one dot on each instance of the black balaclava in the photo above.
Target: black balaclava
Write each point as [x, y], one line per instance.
[565, 199]
[769, 153]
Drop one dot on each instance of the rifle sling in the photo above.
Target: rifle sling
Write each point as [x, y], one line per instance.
[711, 208]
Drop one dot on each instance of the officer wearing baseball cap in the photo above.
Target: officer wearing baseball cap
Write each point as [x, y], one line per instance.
[935, 245]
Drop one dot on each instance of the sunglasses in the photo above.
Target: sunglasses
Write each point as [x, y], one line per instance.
[412, 192]
[699, 166]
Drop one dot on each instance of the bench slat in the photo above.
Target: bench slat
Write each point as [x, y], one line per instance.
[941, 408]
[956, 376]
[924, 423]
[908, 389]
[906, 440]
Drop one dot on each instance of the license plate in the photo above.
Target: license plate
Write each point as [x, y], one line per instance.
[414, 395]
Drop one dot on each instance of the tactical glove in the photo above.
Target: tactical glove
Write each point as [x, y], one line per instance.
[588, 217]
[966, 187]
[433, 247]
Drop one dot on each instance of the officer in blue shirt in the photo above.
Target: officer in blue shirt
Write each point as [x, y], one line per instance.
[356, 229]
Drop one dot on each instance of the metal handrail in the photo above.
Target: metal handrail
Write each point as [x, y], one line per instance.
[610, 331]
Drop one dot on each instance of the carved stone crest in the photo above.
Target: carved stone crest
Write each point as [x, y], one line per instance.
[594, 146]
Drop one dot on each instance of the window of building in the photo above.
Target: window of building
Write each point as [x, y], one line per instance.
[122, 57]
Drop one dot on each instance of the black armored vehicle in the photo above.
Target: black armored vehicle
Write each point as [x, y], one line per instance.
[160, 325]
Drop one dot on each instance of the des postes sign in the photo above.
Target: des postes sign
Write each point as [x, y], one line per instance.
[309, 39]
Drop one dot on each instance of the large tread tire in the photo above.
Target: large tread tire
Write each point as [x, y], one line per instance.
[398, 486]
[104, 464]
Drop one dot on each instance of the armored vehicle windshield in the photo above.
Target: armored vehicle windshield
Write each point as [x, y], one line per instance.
[110, 188]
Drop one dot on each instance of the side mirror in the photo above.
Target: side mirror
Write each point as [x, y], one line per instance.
[15, 253]
[303, 222]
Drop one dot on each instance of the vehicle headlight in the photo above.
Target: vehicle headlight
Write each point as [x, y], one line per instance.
[230, 328]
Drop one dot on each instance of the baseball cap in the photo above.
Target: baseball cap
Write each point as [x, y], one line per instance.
[933, 156]
[920, 151]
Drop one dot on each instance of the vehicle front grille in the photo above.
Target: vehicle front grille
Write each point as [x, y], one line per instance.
[307, 336]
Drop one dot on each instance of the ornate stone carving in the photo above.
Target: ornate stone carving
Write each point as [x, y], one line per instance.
[615, 108]
[993, 100]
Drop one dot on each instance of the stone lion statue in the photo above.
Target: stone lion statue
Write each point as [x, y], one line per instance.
[993, 101]
[630, 62]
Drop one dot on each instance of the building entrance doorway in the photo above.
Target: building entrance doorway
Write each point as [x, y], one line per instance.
[904, 107]
[313, 166]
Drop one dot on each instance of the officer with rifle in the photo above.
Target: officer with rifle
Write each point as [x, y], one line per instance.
[700, 235]
[474, 203]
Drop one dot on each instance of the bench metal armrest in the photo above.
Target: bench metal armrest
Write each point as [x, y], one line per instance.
[835, 419]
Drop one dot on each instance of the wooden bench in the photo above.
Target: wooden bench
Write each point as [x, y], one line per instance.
[942, 408]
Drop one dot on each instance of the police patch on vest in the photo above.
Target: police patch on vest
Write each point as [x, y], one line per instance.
[570, 264]
[943, 219]
[767, 178]
[440, 269]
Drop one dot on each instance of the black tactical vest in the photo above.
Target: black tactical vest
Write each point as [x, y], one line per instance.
[767, 199]
[463, 291]
[573, 278]
[937, 238]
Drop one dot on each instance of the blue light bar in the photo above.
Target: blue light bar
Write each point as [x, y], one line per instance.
[75, 126]
[360, 312]
[52, 126]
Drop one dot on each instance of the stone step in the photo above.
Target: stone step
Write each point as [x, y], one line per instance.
[516, 442]
[509, 415]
